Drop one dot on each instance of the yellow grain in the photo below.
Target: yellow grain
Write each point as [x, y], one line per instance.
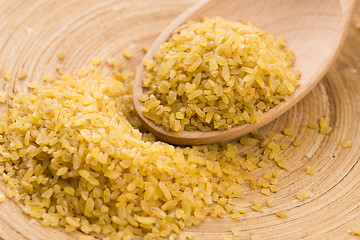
[265, 191]
[357, 24]
[309, 170]
[22, 75]
[357, 231]
[346, 143]
[7, 76]
[86, 237]
[34, 85]
[312, 125]
[288, 132]
[248, 141]
[127, 53]
[2, 96]
[324, 126]
[96, 61]
[61, 56]
[2, 197]
[47, 77]
[281, 213]
[235, 232]
[270, 203]
[145, 48]
[303, 194]
[255, 237]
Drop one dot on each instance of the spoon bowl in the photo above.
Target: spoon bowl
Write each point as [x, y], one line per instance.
[314, 30]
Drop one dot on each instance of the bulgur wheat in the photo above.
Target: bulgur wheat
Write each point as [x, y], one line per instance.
[71, 154]
[216, 74]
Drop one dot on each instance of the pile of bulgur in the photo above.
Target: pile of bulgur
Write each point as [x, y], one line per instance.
[72, 153]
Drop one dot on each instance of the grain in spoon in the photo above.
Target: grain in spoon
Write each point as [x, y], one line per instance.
[315, 31]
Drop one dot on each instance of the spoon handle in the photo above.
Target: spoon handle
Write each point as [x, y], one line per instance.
[347, 6]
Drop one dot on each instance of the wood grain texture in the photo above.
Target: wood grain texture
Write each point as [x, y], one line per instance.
[33, 32]
[315, 31]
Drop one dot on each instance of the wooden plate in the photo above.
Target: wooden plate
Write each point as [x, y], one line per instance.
[33, 32]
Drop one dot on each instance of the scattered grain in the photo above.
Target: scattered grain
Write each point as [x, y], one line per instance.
[2, 96]
[22, 75]
[96, 61]
[61, 56]
[248, 141]
[255, 237]
[127, 53]
[266, 191]
[111, 62]
[47, 77]
[270, 203]
[258, 204]
[281, 213]
[357, 24]
[235, 232]
[2, 197]
[145, 48]
[34, 85]
[346, 143]
[288, 132]
[303, 194]
[7, 76]
[185, 236]
[309, 170]
[324, 126]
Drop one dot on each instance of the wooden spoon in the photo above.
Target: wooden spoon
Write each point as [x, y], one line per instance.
[315, 30]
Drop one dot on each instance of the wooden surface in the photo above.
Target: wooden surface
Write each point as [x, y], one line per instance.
[315, 31]
[33, 32]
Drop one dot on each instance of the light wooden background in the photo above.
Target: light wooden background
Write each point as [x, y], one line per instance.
[33, 32]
